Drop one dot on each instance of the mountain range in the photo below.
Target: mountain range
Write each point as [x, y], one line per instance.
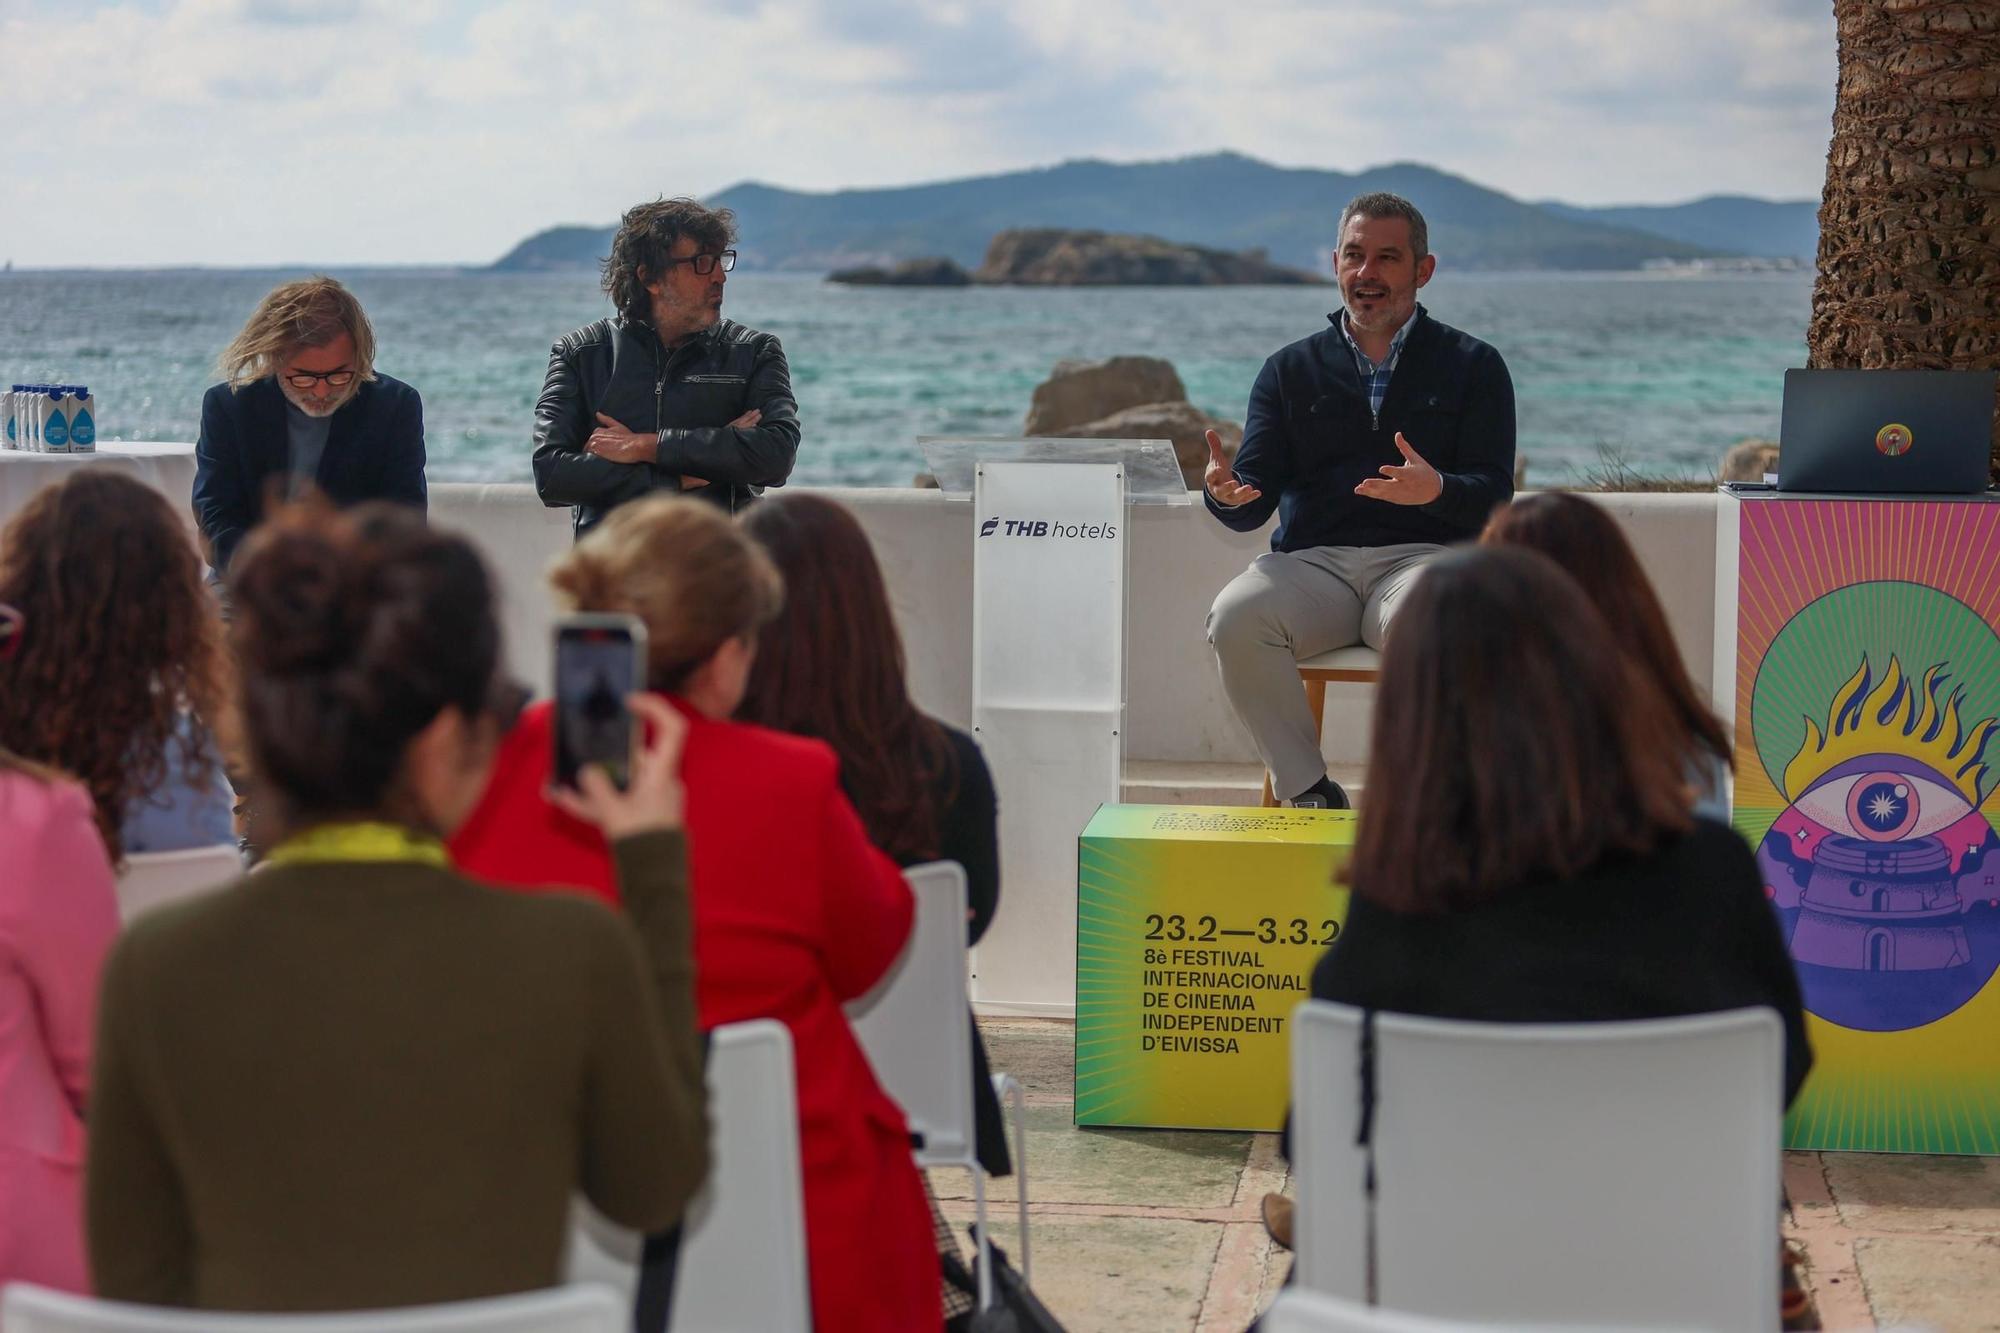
[1222, 200]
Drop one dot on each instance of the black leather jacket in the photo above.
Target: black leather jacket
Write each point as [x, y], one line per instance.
[687, 395]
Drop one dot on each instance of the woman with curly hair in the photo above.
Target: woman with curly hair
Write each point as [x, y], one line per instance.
[118, 679]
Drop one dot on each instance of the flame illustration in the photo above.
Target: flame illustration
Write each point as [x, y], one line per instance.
[1895, 716]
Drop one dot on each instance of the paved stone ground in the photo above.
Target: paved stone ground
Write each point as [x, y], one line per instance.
[1155, 1230]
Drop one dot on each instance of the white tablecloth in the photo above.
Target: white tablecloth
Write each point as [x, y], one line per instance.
[167, 468]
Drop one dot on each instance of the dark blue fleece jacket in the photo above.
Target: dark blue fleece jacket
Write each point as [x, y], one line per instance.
[1311, 438]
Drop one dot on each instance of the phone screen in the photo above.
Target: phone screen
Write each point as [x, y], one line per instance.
[597, 666]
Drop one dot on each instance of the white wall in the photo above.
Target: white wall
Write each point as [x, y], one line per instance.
[1180, 559]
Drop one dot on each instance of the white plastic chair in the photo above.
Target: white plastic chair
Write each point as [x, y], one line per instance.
[1297, 1311]
[742, 1263]
[914, 1027]
[154, 879]
[30, 1309]
[1610, 1173]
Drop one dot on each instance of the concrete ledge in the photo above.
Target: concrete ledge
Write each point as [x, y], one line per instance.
[1180, 558]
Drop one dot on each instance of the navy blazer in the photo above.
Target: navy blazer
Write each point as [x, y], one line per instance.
[374, 451]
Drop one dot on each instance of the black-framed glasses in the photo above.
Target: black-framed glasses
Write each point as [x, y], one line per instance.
[305, 379]
[704, 264]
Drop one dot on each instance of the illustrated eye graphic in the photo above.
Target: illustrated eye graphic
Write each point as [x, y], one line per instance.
[1884, 805]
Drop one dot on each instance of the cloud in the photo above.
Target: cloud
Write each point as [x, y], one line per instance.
[263, 131]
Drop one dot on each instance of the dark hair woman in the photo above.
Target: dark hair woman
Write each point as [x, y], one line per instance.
[1526, 853]
[832, 667]
[795, 912]
[367, 1081]
[1582, 537]
[118, 678]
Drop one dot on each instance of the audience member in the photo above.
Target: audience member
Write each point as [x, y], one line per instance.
[1377, 442]
[119, 676]
[58, 915]
[302, 406]
[795, 913]
[365, 1080]
[832, 668]
[666, 394]
[1540, 862]
[1585, 540]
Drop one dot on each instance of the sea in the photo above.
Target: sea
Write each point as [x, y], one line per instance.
[1629, 374]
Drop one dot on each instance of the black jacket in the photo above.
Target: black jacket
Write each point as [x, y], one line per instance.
[1311, 437]
[687, 396]
[1684, 930]
[374, 451]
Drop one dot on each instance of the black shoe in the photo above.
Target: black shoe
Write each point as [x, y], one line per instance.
[1326, 794]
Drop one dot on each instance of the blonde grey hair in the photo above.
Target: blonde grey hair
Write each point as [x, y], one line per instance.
[309, 313]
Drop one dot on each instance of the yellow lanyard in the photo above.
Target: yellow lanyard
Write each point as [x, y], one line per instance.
[361, 841]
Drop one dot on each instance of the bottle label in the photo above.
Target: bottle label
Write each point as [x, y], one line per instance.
[83, 431]
[55, 431]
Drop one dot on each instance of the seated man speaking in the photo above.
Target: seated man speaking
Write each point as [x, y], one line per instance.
[1378, 441]
[303, 407]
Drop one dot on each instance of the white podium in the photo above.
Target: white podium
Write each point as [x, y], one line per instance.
[1048, 675]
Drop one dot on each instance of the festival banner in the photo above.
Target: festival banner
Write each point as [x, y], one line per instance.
[1197, 931]
[1867, 693]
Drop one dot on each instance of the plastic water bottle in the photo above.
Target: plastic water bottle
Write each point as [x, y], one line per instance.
[82, 420]
[55, 420]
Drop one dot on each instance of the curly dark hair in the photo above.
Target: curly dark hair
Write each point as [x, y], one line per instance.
[646, 235]
[119, 636]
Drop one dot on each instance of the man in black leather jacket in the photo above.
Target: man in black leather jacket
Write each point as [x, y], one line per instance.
[667, 394]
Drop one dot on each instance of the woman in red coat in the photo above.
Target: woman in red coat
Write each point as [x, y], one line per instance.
[794, 911]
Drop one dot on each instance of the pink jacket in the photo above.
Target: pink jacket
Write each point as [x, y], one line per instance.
[58, 914]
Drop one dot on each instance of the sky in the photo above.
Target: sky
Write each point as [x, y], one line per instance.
[246, 132]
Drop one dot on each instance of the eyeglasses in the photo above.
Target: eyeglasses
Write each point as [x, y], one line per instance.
[704, 264]
[335, 379]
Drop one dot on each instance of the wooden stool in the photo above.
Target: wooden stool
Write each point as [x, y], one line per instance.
[1356, 664]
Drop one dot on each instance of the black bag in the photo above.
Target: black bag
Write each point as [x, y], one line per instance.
[1016, 1309]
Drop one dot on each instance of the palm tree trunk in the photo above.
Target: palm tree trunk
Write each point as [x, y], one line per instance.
[1909, 244]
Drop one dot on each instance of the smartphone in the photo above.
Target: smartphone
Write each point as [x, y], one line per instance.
[599, 661]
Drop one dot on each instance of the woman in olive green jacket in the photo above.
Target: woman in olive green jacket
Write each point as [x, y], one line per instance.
[360, 1079]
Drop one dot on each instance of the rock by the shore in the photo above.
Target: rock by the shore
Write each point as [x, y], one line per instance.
[1128, 398]
[1054, 257]
[1749, 460]
[1080, 391]
[933, 272]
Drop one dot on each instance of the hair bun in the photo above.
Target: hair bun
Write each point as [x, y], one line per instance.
[305, 600]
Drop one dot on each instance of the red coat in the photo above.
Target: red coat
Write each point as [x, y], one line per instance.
[794, 913]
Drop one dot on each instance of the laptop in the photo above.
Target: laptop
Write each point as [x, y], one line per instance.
[1886, 432]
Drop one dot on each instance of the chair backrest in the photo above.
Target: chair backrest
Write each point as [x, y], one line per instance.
[153, 879]
[27, 1309]
[1299, 1311]
[1624, 1174]
[915, 1024]
[742, 1262]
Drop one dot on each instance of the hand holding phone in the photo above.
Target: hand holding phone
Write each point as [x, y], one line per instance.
[653, 799]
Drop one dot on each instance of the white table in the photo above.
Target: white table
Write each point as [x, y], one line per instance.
[167, 467]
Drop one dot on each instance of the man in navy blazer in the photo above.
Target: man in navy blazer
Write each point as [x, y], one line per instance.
[303, 408]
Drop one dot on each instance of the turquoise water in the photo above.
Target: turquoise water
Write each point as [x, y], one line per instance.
[1664, 371]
